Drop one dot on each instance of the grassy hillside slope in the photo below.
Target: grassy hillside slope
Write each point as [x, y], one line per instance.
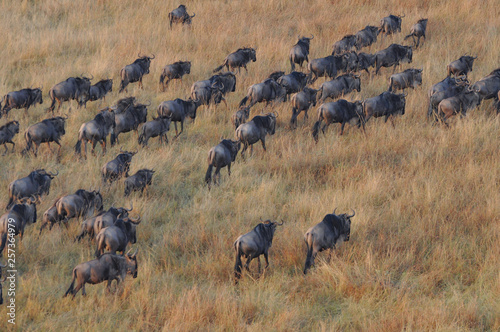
[423, 253]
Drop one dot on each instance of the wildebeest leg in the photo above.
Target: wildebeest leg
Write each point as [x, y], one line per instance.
[37, 145]
[342, 128]
[258, 262]
[176, 134]
[217, 174]
[245, 147]
[229, 169]
[140, 83]
[84, 293]
[245, 66]
[249, 259]
[324, 127]
[6, 150]
[251, 150]
[263, 141]
[94, 143]
[78, 288]
[266, 257]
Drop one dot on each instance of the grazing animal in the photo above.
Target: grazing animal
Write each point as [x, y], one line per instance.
[214, 89]
[344, 45]
[50, 218]
[180, 15]
[135, 71]
[293, 82]
[74, 88]
[238, 59]
[117, 237]
[340, 111]
[108, 267]
[366, 37]
[82, 203]
[461, 66]
[365, 61]
[99, 91]
[96, 131]
[241, 116]
[418, 31]
[16, 219]
[158, 127]
[46, 131]
[448, 87]
[93, 225]
[221, 156]
[268, 91]
[322, 67]
[300, 52]
[391, 24]
[256, 130]
[139, 181]
[128, 119]
[325, 235]
[178, 110]
[7, 133]
[36, 184]
[410, 78]
[386, 104]
[392, 56]
[302, 101]
[253, 244]
[174, 71]
[489, 86]
[118, 167]
[21, 99]
[338, 87]
[458, 104]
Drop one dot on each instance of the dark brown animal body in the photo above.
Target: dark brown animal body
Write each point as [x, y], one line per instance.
[7, 133]
[46, 131]
[139, 181]
[221, 156]
[117, 237]
[174, 71]
[256, 130]
[96, 131]
[24, 98]
[301, 102]
[238, 59]
[135, 71]
[178, 109]
[418, 31]
[461, 66]
[16, 219]
[341, 112]
[300, 52]
[180, 15]
[36, 184]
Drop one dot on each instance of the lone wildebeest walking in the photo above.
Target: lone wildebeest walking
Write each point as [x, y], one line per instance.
[180, 15]
[325, 235]
[221, 156]
[302, 101]
[158, 127]
[174, 71]
[391, 24]
[134, 72]
[7, 133]
[238, 59]
[256, 130]
[392, 56]
[418, 31]
[410, 78]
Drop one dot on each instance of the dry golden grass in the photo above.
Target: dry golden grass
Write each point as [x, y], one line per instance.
[424, 249]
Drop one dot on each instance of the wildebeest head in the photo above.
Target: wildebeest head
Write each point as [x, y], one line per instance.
[351, 59]
[232, 146]
[59, 122]
[12, 126]
[97, 201]
[186, 66]
[346, 221]
[252, 54]
[276, 74]
[125, 156]
[144, 62]
[271, 122]
[311, 94]
[27, 207]
[304, 41]
[37, 96]
[132, 265]
[269, 229]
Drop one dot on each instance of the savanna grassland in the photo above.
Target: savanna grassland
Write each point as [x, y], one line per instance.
[424, 248]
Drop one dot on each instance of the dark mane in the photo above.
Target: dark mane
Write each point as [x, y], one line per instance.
[333, 222]
[227, 144]
[262, 121]
[7, 124]
[264, 230]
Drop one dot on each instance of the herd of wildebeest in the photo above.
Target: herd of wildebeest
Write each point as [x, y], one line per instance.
[112, 230]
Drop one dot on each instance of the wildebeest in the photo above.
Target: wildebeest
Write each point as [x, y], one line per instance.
[392, 56]
[7, 133]
[118, 167]
[253, 244]
[458, 104]
[178, 109]
[488, 86]
[448, 87]
[256, 130]
[174, 71]
[96, 131]
[293, 82]
[21, 99]
[267, 91]
[128, 118]
[325, 235]
[346, 62]
[386, 104]
[180, 15]
[99, 91]
[338, 87]
[134, 72]
[418, 30]
[46, 131]
[221, 156]
[108, 267]
[214, 89]
[139, 181]
[37, 183]
[158, 127]
[302, 101]
[461, 66]
[366, 37]
[365, 61]
[410, 78]
[322, 67]
[340, 111]
[346, 44]
[117, 237]
[50, 218]
[82, 203]
[238, 59]
[391, 24]
[93, 225]
[16, 219]
[241, 116]
[74, 88]
[300, 52]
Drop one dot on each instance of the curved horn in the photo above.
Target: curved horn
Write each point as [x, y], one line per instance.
[298, 36]
[135, 221]
[154, 56]
[121, 150]
[353, 214]
[403, 16]
[92, 77]
[65, 116]
[221, 137]
[54, 174]
[276, 115]
[131, 207]
[135, 152]
[334, 210]
[312, 36]
[135, 252]
[139, 55]
[32, 199]
[149, 101]
[193, 15]
[281, 223]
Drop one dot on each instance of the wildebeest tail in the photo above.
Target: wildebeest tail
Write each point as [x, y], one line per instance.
[390, 84]
[78, 145]
[243, 101]
[140, 139]
[408, 36]
[100, 245]
[237, 263]
[53, 104]
[220, 67]
[11, 202]
[29, 143]
[208, 175]
[315, 129]
[292, 63]
[308, 257]
[72, 285]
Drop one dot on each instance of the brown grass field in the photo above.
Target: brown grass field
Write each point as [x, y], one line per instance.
[424, 248]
